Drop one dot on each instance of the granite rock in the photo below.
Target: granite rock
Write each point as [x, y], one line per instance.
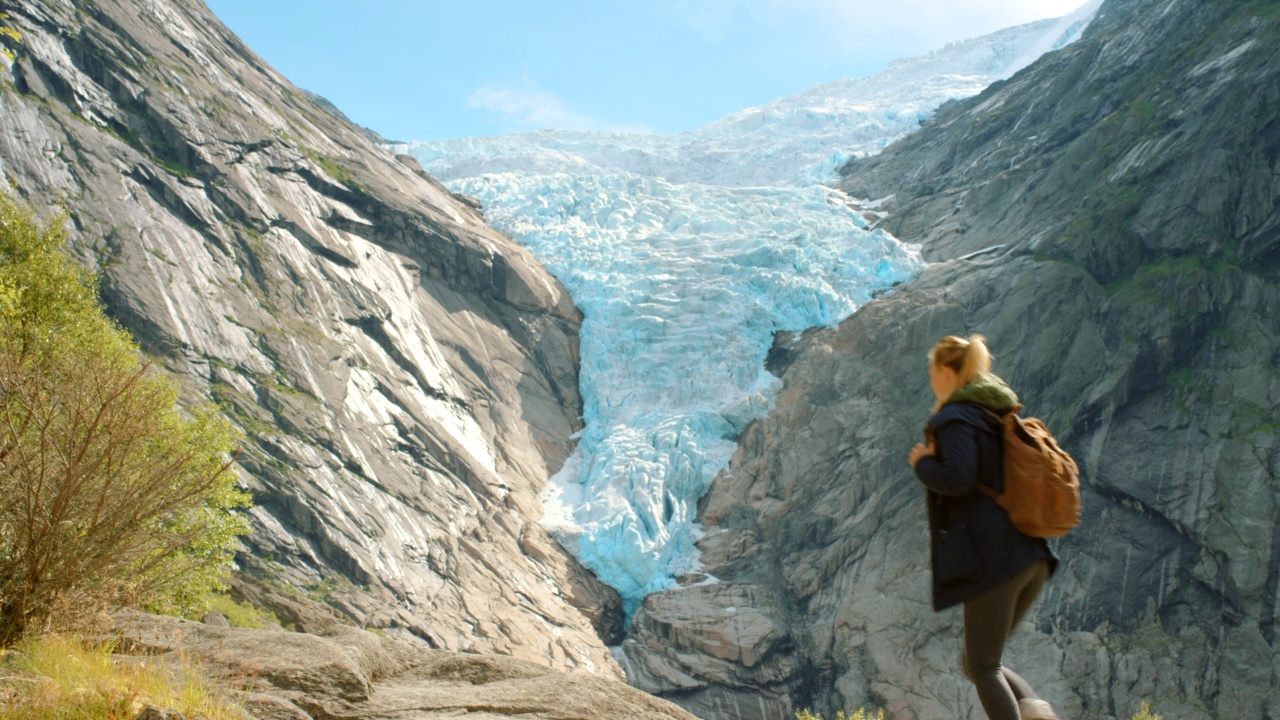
[406, 376]
[353, 674]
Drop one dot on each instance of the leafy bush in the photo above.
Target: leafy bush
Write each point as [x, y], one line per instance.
[242, 615]
[54, 678]
[108, 495]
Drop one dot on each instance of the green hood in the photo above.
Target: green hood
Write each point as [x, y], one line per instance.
[988, 391]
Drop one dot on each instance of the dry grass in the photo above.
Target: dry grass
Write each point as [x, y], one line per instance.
[57, 678]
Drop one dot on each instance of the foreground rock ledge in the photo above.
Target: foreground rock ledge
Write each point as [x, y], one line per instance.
[352, 674]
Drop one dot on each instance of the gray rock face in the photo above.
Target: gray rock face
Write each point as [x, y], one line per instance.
[407, 377]
[352, 674]
[1110, 219]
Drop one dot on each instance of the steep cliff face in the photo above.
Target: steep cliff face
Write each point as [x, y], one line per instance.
[407, 377]
[1110, 219]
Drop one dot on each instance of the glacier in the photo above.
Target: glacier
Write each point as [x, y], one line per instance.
[686, 254]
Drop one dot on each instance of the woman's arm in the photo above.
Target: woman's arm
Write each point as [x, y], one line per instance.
[954, 469]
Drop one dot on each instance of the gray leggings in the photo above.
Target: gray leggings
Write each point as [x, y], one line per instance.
[989, 619]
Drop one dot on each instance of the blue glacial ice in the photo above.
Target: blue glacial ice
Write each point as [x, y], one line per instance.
[686, 253]
[682, 287]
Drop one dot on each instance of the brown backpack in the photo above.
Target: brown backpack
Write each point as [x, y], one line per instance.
[1041, 481]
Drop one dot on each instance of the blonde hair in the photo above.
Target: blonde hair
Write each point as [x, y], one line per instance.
[968, 357]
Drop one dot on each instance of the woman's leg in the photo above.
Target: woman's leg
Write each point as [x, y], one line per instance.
[1031, 591]
[988, 621]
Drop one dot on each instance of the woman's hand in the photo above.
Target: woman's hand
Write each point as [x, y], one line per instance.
[920, 451]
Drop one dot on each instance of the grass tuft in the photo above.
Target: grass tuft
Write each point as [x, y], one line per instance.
[59, 678]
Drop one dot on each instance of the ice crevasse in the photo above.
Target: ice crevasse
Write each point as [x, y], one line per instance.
[686, 254]
[682, 288]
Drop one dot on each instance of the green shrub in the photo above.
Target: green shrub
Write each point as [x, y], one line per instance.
[241, 615]
[108, 495]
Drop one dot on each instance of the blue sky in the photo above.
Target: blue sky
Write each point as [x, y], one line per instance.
[431, 70]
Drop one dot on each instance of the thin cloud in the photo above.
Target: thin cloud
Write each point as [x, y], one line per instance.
[524, 105]
[949, 19]
[853, 22]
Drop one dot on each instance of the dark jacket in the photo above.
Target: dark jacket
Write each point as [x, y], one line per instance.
[974, 545]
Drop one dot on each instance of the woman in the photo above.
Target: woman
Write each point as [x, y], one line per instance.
[979, 557]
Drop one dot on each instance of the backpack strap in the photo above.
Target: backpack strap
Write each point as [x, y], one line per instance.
[1000, 420]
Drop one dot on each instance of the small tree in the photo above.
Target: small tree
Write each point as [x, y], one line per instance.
[108, 496]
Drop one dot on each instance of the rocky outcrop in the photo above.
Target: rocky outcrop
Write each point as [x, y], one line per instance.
[406, 376]
[351, 674]
[1110, 219]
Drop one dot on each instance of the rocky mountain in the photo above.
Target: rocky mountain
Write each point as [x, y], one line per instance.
[1110, 219]
[406, 376]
